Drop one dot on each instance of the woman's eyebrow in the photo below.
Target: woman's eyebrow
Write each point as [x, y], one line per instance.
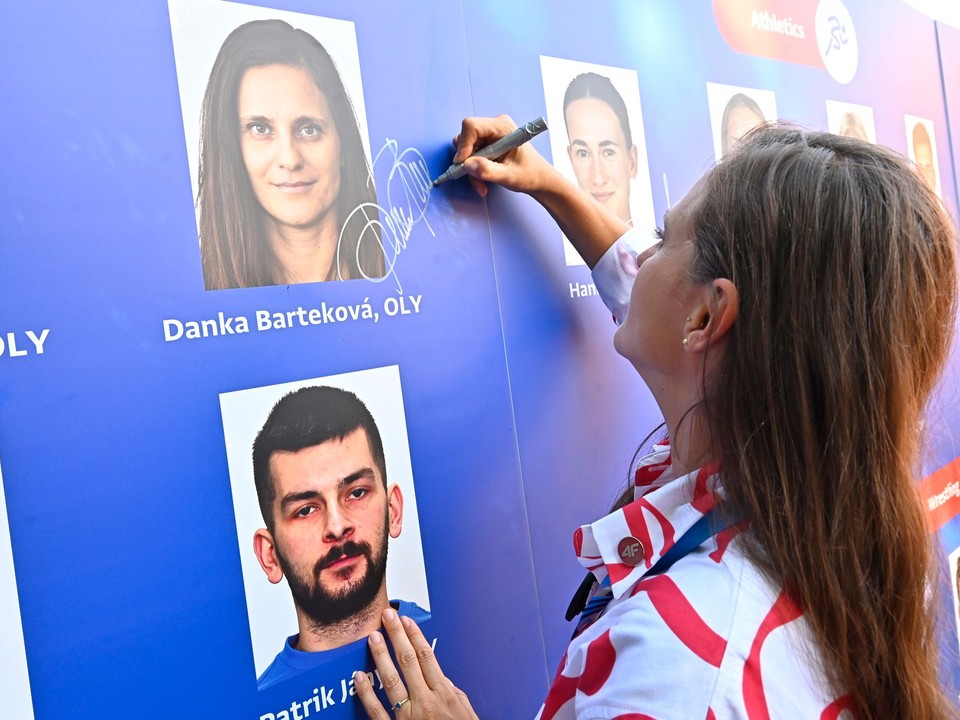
[311, 119]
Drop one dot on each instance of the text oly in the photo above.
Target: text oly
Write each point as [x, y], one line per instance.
[32, 344]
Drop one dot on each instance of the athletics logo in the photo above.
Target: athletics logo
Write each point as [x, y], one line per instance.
[837, 40]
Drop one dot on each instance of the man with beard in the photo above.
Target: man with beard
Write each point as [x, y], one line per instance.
[321, 481]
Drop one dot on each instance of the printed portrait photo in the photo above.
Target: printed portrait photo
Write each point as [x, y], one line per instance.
[851, 120]
[277, 145]
[922, 150]
[596, 137]
[735, 111]
[953, 563]
[326, 514]
[15, 698]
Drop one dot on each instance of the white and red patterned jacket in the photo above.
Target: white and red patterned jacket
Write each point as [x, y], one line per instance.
[709, 638]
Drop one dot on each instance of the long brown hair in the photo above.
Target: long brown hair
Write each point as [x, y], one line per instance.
[233, 242]
[847, 272]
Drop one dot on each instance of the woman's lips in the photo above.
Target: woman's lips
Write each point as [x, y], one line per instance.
[603, 197]
[295, 187]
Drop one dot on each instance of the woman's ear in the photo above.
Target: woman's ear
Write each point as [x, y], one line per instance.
[726, 307]
[712, 319]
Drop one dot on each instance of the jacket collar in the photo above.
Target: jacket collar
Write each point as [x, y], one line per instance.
[625, 544]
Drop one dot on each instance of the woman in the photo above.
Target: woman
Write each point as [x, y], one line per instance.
[282, 166]
[791, 324]
[740, 116]
[852, 126]
[923, 155]
[601, 149]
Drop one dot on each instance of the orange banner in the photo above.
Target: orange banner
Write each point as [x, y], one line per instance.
[775, 29]
[940, 493]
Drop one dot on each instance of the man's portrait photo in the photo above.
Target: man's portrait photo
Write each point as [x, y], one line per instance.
[851, 120]
[277, 145]
[598, 139]
[14, 680]
[922, 150]
[735, 111]
[334, 523]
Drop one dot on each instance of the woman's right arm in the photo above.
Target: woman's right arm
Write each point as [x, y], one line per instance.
[590, 227]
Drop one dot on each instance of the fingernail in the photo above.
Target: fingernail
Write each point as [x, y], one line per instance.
[407, 622]
[389, 615]
[375, 638]
[470, 164]
[359, 677]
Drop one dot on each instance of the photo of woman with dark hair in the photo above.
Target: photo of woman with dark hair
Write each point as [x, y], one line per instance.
[851, 120]
[282, 166]
[601, 148]
[740, 116]
[852, 126]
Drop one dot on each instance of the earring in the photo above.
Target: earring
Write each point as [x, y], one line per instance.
[685, 341]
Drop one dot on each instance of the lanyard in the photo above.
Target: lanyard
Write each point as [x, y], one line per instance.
[701, 531]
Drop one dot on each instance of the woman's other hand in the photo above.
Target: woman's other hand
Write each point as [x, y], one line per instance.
[420, 691]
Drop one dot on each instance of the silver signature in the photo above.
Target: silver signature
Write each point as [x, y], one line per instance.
[407, 196]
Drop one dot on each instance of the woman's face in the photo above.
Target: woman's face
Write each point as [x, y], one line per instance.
[601, 160]
[651, 336]
[740, 121]
[290, 145]
[923, 159]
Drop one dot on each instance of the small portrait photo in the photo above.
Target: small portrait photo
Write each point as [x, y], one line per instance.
[277, 145]
[922, 150]
[597, 139]
[14, 679]
[953, 563]
[851, 120]
[735, 111]
[326, 515]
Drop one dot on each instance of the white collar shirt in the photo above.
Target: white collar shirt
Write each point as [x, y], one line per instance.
[711, 637]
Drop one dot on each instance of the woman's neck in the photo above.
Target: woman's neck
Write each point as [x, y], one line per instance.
[305, 254]
[692, 445]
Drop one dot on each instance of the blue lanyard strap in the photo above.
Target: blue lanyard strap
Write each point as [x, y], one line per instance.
[701, 531]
